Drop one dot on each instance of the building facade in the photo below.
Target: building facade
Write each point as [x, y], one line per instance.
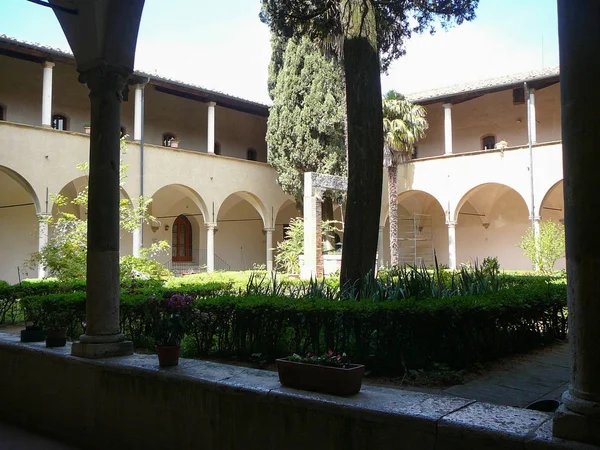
[202, 158]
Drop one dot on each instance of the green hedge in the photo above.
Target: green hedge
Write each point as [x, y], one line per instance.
[388, 336]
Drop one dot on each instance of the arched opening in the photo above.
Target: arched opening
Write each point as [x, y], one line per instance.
[172, 206]
[241, 240]
[491, 219]
[181, 241]
[552, 207]
[170, 140]
[60, 122]
[422, 230]
[19, 225]
[488, 142]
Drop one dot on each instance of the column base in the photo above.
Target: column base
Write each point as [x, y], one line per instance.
[102, 350]
[576, 427]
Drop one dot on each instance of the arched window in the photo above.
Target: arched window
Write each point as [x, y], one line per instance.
[59, 122]
[488, 142]
[168, 139]
[2, 112]
[181, 244]
[217, 148]
[251, 154]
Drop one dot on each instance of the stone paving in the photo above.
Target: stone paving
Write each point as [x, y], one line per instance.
[523, 380]
[15, 438]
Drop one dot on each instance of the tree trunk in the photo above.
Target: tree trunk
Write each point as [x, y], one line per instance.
[393, 215]
[364, 140]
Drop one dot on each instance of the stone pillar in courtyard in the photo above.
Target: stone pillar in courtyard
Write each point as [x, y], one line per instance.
[269, 236]
[102, 333]
[532, 119]
[137, 113]
[313, 251]
[42, 240]
[579, 43]
[447, 128]
[210, 247]
[210, 130]
[451, 244]
[47, 94]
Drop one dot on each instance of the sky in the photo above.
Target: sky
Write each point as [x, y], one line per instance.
[222, 45]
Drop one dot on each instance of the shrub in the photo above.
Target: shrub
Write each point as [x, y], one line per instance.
[548, 249]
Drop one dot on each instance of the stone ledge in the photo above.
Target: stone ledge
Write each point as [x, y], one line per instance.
[129, 402]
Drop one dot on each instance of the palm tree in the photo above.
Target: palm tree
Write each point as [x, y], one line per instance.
[403, 125]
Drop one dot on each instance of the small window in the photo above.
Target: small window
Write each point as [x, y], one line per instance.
[518, 96]
[59, 122]
[168, 139]
[251, 154]
[2, 112]
[217, 148]
[488, 142]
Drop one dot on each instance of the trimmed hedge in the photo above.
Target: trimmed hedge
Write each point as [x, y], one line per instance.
[389, 337]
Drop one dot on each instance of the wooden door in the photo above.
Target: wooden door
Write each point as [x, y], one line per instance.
[182, 239]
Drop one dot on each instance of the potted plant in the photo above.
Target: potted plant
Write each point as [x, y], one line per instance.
[174, 143]
[55, 319]
[87, 128]
[32, 312]
[330, 373]
[170, 318]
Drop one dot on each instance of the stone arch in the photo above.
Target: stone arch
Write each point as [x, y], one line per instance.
[250, 198]
[553, 200]
[498, 190]
[193, 195]
[408, 194]
[490, 221]
[21, 181]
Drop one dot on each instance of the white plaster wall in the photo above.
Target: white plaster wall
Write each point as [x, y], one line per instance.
[21, 90]
[492, 114]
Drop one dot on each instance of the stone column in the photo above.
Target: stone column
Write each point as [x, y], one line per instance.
[210, 131]
[579, 417]
[137, 114]
[451, 244]
[137, 241]
[448, 128]
[380, 249]
[210, 247]
[313, 252]
[42, 240]
[532, 120]
[47, 94]
[102, 336]
[269, 233]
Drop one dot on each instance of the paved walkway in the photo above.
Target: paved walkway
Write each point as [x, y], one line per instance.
[523, 380]
[14, 438]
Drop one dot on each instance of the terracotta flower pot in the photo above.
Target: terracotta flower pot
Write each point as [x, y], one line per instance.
[168, 356]
[325, 379]
[87, 130]
[56, 337]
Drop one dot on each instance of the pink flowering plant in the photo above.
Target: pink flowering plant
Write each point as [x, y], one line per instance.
[171, 316]
[331, 359]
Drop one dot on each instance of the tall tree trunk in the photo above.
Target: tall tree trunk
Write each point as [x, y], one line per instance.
[393, 208]
[364, 140]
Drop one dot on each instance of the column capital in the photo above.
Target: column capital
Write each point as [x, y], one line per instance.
[447, 105]
[43, 216]
[210, 225]
[451, 223]
[105, 79]
[381, 228]
[212, 104]
[269, 229]
[48, 64]
[535, 218]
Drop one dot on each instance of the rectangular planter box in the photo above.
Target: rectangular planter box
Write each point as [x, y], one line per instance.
[313, 377]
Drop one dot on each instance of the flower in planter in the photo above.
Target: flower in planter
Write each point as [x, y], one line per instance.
[170, 316]
[330, 359]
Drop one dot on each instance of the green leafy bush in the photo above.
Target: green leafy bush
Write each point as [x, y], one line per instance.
[549, 247]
